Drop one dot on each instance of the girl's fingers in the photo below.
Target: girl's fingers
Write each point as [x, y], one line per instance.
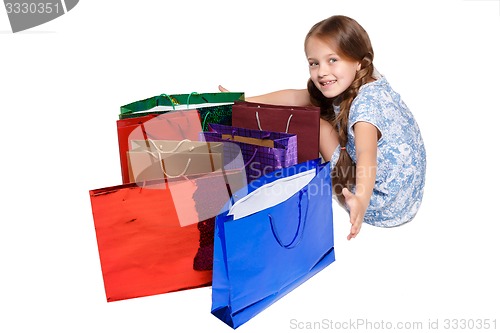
[347, 194]
[355, 228]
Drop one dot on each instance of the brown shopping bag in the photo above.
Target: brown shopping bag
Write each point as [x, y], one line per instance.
[154, 159]
[177, 125]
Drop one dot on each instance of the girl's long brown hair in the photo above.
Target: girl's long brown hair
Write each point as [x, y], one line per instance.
[350, 41]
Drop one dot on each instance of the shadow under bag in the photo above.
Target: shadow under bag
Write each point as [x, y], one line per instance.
[271, 240]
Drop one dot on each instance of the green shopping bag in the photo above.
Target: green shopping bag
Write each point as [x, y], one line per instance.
[212, 107]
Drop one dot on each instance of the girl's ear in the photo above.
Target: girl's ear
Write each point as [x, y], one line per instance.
[359, 67]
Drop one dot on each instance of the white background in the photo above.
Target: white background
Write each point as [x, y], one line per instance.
[61, 86]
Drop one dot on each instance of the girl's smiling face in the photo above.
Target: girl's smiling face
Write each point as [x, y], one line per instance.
[330, 73]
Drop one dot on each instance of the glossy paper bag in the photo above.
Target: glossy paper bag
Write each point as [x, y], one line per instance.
[262, 151]
[182, 125]
[302, 121]
[143, 249]
[156, 236]
[154, 159]
[273, 238]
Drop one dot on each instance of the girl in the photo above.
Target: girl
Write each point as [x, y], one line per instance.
[367, 132]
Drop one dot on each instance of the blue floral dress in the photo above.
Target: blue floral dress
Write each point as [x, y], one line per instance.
[401, 157]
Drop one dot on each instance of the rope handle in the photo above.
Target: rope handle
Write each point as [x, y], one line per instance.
[158, 149]
[205, 119]
[299, 233]
[182, 174]
[260, 127]
[188, 98]
[173, 101]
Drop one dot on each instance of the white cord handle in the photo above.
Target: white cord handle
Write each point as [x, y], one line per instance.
[177, 176]
[260, 127]
[158, 149]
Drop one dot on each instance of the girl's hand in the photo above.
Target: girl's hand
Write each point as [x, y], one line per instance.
[357, 212]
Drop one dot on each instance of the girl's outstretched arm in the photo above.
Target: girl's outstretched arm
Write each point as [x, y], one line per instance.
[289, 97]
[365, 139]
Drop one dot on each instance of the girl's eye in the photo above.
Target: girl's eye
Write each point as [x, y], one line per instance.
[332, 60]
[312, 64]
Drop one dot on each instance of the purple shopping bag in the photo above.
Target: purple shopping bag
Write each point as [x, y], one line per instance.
[258, 152]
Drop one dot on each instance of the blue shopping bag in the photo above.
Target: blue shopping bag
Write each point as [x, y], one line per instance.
[271, 237]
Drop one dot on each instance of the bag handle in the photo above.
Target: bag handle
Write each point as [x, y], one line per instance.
[188, 98]
[299, 233]
[159, 151]
[205, 120]
[182, 174]
[139, 107]
[173, 101]
[260, 127]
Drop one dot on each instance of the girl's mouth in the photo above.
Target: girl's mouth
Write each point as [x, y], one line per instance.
[328, 83]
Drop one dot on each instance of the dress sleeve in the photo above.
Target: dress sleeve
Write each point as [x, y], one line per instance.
[335, 157]
[367, 107]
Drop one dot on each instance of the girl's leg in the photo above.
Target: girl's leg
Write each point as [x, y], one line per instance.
[328, 139]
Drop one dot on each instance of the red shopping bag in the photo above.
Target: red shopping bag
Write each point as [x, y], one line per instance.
[157, 236]
[143, 249]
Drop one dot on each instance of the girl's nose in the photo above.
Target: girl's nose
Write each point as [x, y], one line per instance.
[322, 71]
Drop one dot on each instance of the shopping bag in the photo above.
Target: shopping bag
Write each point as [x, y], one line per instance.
[262, 151]
[154, 159]
[303, 121]
[171, 117]
[273, 238]
[143, 249]
[181, 125]
[154, 237]
[212, 107]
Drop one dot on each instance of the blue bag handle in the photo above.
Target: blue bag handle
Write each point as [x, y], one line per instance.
[299, 232]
